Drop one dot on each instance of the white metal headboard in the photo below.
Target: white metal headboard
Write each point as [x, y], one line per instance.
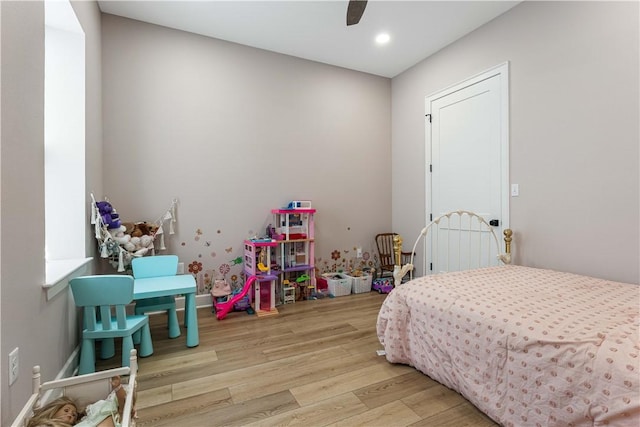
[467, 239]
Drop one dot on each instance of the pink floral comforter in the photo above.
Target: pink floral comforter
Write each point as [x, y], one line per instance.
[528, 347]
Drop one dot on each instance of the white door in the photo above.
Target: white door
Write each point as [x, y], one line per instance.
[467, 154]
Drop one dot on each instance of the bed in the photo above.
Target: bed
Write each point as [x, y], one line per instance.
[83, 389]
[527, 346]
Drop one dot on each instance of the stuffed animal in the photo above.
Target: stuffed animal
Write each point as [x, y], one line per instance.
[130, 246]
[135, 238]
[109, 216]
[143, 229]
[121, 236]
[137, 244]
[129, 227]
[146, 241]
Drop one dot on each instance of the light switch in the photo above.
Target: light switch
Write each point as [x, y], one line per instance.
[515, 190]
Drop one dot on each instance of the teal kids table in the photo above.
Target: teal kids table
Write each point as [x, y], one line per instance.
[182, 284]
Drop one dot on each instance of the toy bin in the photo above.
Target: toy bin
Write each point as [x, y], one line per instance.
[339, 284]
[360, 284]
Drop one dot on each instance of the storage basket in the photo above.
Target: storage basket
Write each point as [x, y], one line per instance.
[339, 284]
[360, 284]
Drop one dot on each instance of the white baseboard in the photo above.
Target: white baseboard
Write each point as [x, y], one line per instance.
[71, 365]
[69, 369]
[204, 301]
[201, 301]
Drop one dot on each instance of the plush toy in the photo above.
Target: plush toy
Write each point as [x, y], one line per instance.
[138, 245]
[145, 241]
[143, 229]
[109, 216]
[121, 236]
[135, 238]
[130, 246]
[129, 227]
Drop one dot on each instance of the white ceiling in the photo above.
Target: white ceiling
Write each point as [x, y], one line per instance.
[317, 30]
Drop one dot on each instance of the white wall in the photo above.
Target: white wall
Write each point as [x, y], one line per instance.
[44, 331]
[232, 110]
[233, 132]
[574, 150]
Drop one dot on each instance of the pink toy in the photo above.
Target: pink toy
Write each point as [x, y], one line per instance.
[257, 262]
[223, 308]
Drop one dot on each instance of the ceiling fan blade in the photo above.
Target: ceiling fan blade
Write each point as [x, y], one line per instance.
[355, 9]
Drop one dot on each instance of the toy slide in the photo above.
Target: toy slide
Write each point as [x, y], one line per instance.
[222, 308]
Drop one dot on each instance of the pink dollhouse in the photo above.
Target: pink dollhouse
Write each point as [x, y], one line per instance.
[257, 262]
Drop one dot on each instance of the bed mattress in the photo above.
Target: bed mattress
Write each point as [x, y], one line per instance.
[527, 346]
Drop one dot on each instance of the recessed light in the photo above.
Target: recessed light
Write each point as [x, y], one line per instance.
[382, 38]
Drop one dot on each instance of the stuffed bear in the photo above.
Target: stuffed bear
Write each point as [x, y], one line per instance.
[129, 227]
[109, 216]
[140, 229]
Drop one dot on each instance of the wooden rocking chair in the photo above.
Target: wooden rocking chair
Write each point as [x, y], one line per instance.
[384, 243]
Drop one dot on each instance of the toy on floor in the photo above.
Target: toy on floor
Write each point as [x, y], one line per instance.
[264, 295]
[382, 285]
[220, 290]
[244, 304]
[257, 262]
[222, 308]
[303, 278]
[288, 292]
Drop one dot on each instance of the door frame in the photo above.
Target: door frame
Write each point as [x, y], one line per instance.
[501, 70]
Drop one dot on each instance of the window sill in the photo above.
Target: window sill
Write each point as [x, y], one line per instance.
[58, 273]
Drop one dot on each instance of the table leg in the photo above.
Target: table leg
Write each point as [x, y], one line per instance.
[107, 348]
[191, 320]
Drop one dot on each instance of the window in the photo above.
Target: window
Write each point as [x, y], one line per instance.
[64, 143]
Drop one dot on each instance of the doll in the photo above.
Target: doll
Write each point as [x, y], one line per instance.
[63, 412]
[107, 412]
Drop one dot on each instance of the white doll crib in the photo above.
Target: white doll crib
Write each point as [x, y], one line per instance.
[83, 389]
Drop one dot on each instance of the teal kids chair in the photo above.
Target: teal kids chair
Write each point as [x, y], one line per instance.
[100, 296]
[158, 266]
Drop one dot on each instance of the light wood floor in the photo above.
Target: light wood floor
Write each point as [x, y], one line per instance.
[314, 364]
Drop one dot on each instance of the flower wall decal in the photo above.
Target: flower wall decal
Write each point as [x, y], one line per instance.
[195, 267]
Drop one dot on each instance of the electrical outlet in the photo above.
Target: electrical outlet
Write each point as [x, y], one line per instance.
[13, 366]
[181, 268]
[358, 252]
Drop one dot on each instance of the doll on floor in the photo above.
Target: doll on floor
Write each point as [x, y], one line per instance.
[63, 411]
